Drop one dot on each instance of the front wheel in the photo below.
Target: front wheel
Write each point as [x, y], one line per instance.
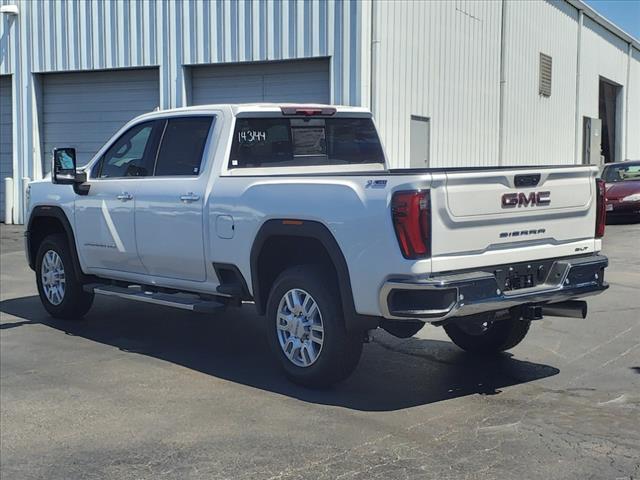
[60, 290]
[306, 328]
[489, 336]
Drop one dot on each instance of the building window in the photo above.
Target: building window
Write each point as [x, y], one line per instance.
[545, 75]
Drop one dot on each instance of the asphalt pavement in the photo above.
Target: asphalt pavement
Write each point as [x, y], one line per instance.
[145, 392]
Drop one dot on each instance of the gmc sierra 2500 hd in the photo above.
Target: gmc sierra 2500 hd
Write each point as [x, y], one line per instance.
[294, 208]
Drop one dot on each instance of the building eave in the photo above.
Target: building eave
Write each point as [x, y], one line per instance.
[602, 21]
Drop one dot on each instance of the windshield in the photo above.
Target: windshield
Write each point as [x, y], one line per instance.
[621, 173]
[270, 142]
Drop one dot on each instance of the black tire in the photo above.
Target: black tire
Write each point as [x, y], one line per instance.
[499, 336]
[75, 301]
[340, 350]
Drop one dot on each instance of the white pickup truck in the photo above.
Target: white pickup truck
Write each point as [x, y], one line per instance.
[293, 208]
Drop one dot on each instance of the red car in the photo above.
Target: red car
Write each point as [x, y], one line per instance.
[623, 189]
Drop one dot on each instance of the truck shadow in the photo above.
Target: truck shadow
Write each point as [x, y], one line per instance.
[233, 347]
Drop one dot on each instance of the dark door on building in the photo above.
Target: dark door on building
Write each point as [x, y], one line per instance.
[608, 112]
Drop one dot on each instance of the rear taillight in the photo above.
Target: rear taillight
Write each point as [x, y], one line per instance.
[601, 204]
[411, 214]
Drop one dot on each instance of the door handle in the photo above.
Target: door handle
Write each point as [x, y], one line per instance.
[125, 197]
[189, 197]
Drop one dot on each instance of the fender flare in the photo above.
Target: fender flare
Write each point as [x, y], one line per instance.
[317, 231]
[57, 213]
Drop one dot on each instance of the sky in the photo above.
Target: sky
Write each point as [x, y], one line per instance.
[624, 13]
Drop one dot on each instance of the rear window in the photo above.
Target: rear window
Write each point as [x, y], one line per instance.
[286, 142]
[621, 173]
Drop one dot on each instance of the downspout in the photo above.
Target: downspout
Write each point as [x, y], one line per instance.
[578, 70]
[626, 104]
[373, 63]
[503, 43]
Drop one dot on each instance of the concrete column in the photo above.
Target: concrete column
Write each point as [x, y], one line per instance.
[16, 23]
[578, 123]
[8, 201]
[26, 138]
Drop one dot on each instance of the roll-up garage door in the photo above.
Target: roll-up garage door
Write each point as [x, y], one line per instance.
[84, 109]
[293, 81]
[6, 136]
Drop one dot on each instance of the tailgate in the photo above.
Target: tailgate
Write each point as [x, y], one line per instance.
[497, 216]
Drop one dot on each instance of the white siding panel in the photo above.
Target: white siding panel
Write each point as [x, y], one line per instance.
[603, 55]
[439, 59]
[633, 129]
[98, 35]
[538, 129]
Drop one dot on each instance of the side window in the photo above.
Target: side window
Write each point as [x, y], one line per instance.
[130, 155]
[182, 146]
[95, 170]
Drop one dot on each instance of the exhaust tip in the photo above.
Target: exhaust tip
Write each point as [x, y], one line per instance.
[570, 309]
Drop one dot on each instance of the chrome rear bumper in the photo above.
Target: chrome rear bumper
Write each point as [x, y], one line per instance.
[438, 298]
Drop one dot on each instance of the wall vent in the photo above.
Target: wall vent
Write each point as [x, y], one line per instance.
[545, 75]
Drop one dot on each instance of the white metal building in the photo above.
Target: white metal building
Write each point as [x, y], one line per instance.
[451, 83]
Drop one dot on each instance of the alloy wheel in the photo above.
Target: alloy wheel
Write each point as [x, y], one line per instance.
[53, 277]
[299, 327]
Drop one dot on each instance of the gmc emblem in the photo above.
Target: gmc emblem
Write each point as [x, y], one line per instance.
[523, 200]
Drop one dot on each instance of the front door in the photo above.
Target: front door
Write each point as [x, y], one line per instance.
[169, 207]
[104, 218]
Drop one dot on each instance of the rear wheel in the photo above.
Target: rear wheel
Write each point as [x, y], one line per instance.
[59, 288]
[489, 336]
[306, 328]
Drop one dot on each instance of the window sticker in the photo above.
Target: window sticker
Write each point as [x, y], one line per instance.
[248, 136]
[308, 141]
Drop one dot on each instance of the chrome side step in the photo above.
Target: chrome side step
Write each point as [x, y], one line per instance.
[175, 300]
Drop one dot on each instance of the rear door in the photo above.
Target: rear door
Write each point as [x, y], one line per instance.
[495, 216]
[169, 205]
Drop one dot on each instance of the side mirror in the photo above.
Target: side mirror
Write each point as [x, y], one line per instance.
[64, 166]
[64, 170]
